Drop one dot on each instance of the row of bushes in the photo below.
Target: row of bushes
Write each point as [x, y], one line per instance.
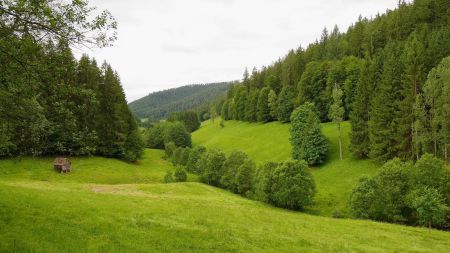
[402, 192]
[288, 184]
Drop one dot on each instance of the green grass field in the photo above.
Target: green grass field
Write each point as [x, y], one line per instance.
[270, 142]
[105, 205]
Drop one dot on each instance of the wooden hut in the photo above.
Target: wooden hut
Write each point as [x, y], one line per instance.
[62, 164]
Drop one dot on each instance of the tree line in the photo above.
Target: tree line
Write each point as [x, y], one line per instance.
[51, 103]
[389, 75]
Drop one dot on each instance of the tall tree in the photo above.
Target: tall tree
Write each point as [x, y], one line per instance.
[263, 113]
[273, 104]
[285, 104]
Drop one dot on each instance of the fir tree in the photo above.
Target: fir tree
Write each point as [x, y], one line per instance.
[285, 104]
[263, 113]
[273, 104]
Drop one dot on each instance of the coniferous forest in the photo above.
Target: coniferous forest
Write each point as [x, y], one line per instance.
[51, 103]
[393, 73]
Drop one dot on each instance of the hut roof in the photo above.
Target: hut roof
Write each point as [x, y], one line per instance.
[61, 161]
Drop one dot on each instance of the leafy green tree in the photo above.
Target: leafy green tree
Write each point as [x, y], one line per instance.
[241, 101]
[429, 206]
[308, 142]
[292, 186]
[155, 136]
[177, 133]
[337, 114]
[261, 181]
[263, 113]
[134, 146]
[285, 104]
[176, 157]
[212, 166]
[273, 104]
[185, 156]
[231, 165]
[192, 164]
[244, 177]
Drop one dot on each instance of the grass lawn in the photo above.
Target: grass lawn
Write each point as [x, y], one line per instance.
[270, 142]
[106, 205]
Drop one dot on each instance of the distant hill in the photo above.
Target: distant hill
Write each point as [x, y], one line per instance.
[158, 105]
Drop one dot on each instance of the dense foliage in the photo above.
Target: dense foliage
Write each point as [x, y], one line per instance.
[188, 118]
[405, 193]
[159, 105]
[288, 185]
[381, 66]
[51, 103]
[165, 132]
[308, 142]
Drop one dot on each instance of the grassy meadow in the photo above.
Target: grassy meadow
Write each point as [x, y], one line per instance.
[270, 142]
[106, 205]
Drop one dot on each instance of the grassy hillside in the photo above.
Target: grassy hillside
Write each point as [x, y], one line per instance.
[270, 142]
[106, 205]
[158, 105]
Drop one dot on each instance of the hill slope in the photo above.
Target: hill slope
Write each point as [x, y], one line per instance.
[159, 105]
[270, 142]
[106, 205]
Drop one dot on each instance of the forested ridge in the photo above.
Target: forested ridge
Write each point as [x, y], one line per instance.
[50, 102]
[159, 105]
[391, 70]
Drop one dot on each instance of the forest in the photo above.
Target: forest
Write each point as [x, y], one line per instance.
[391, 71]
[52, 103]
[159, 105]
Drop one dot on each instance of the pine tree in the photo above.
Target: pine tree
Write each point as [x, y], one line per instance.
[337, 113]
[224, 112]
[263, 113]
[241, 101]
[251, 106]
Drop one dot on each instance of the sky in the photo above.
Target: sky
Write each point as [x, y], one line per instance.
[164, 44]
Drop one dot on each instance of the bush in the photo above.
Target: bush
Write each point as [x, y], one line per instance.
[180, 174]
[185, 156]
[169, 149]
[194, 157]
[134, 147]
[244, 177]
[291, 186]
[228, 179]
[176, 157]
[308, 142]
[212, 166]
[168, 178]
[155, 136]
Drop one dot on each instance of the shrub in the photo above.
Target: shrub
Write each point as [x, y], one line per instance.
[194, 157]
[228, 179]
[308, 142]
[212, 165]
[176, 157]
[185, 156]
[180, 174]
[169, 149]
[244, 177]
[134, 147]
[155, 136]
[168, 178]
[291, 186]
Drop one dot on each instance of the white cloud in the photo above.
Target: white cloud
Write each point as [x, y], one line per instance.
[169, 43]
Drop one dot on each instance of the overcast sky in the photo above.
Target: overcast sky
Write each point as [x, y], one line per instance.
[169, 43]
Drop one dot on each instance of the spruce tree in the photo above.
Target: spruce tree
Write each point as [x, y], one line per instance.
[285, 104]
[263, 113]
[273, 104]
